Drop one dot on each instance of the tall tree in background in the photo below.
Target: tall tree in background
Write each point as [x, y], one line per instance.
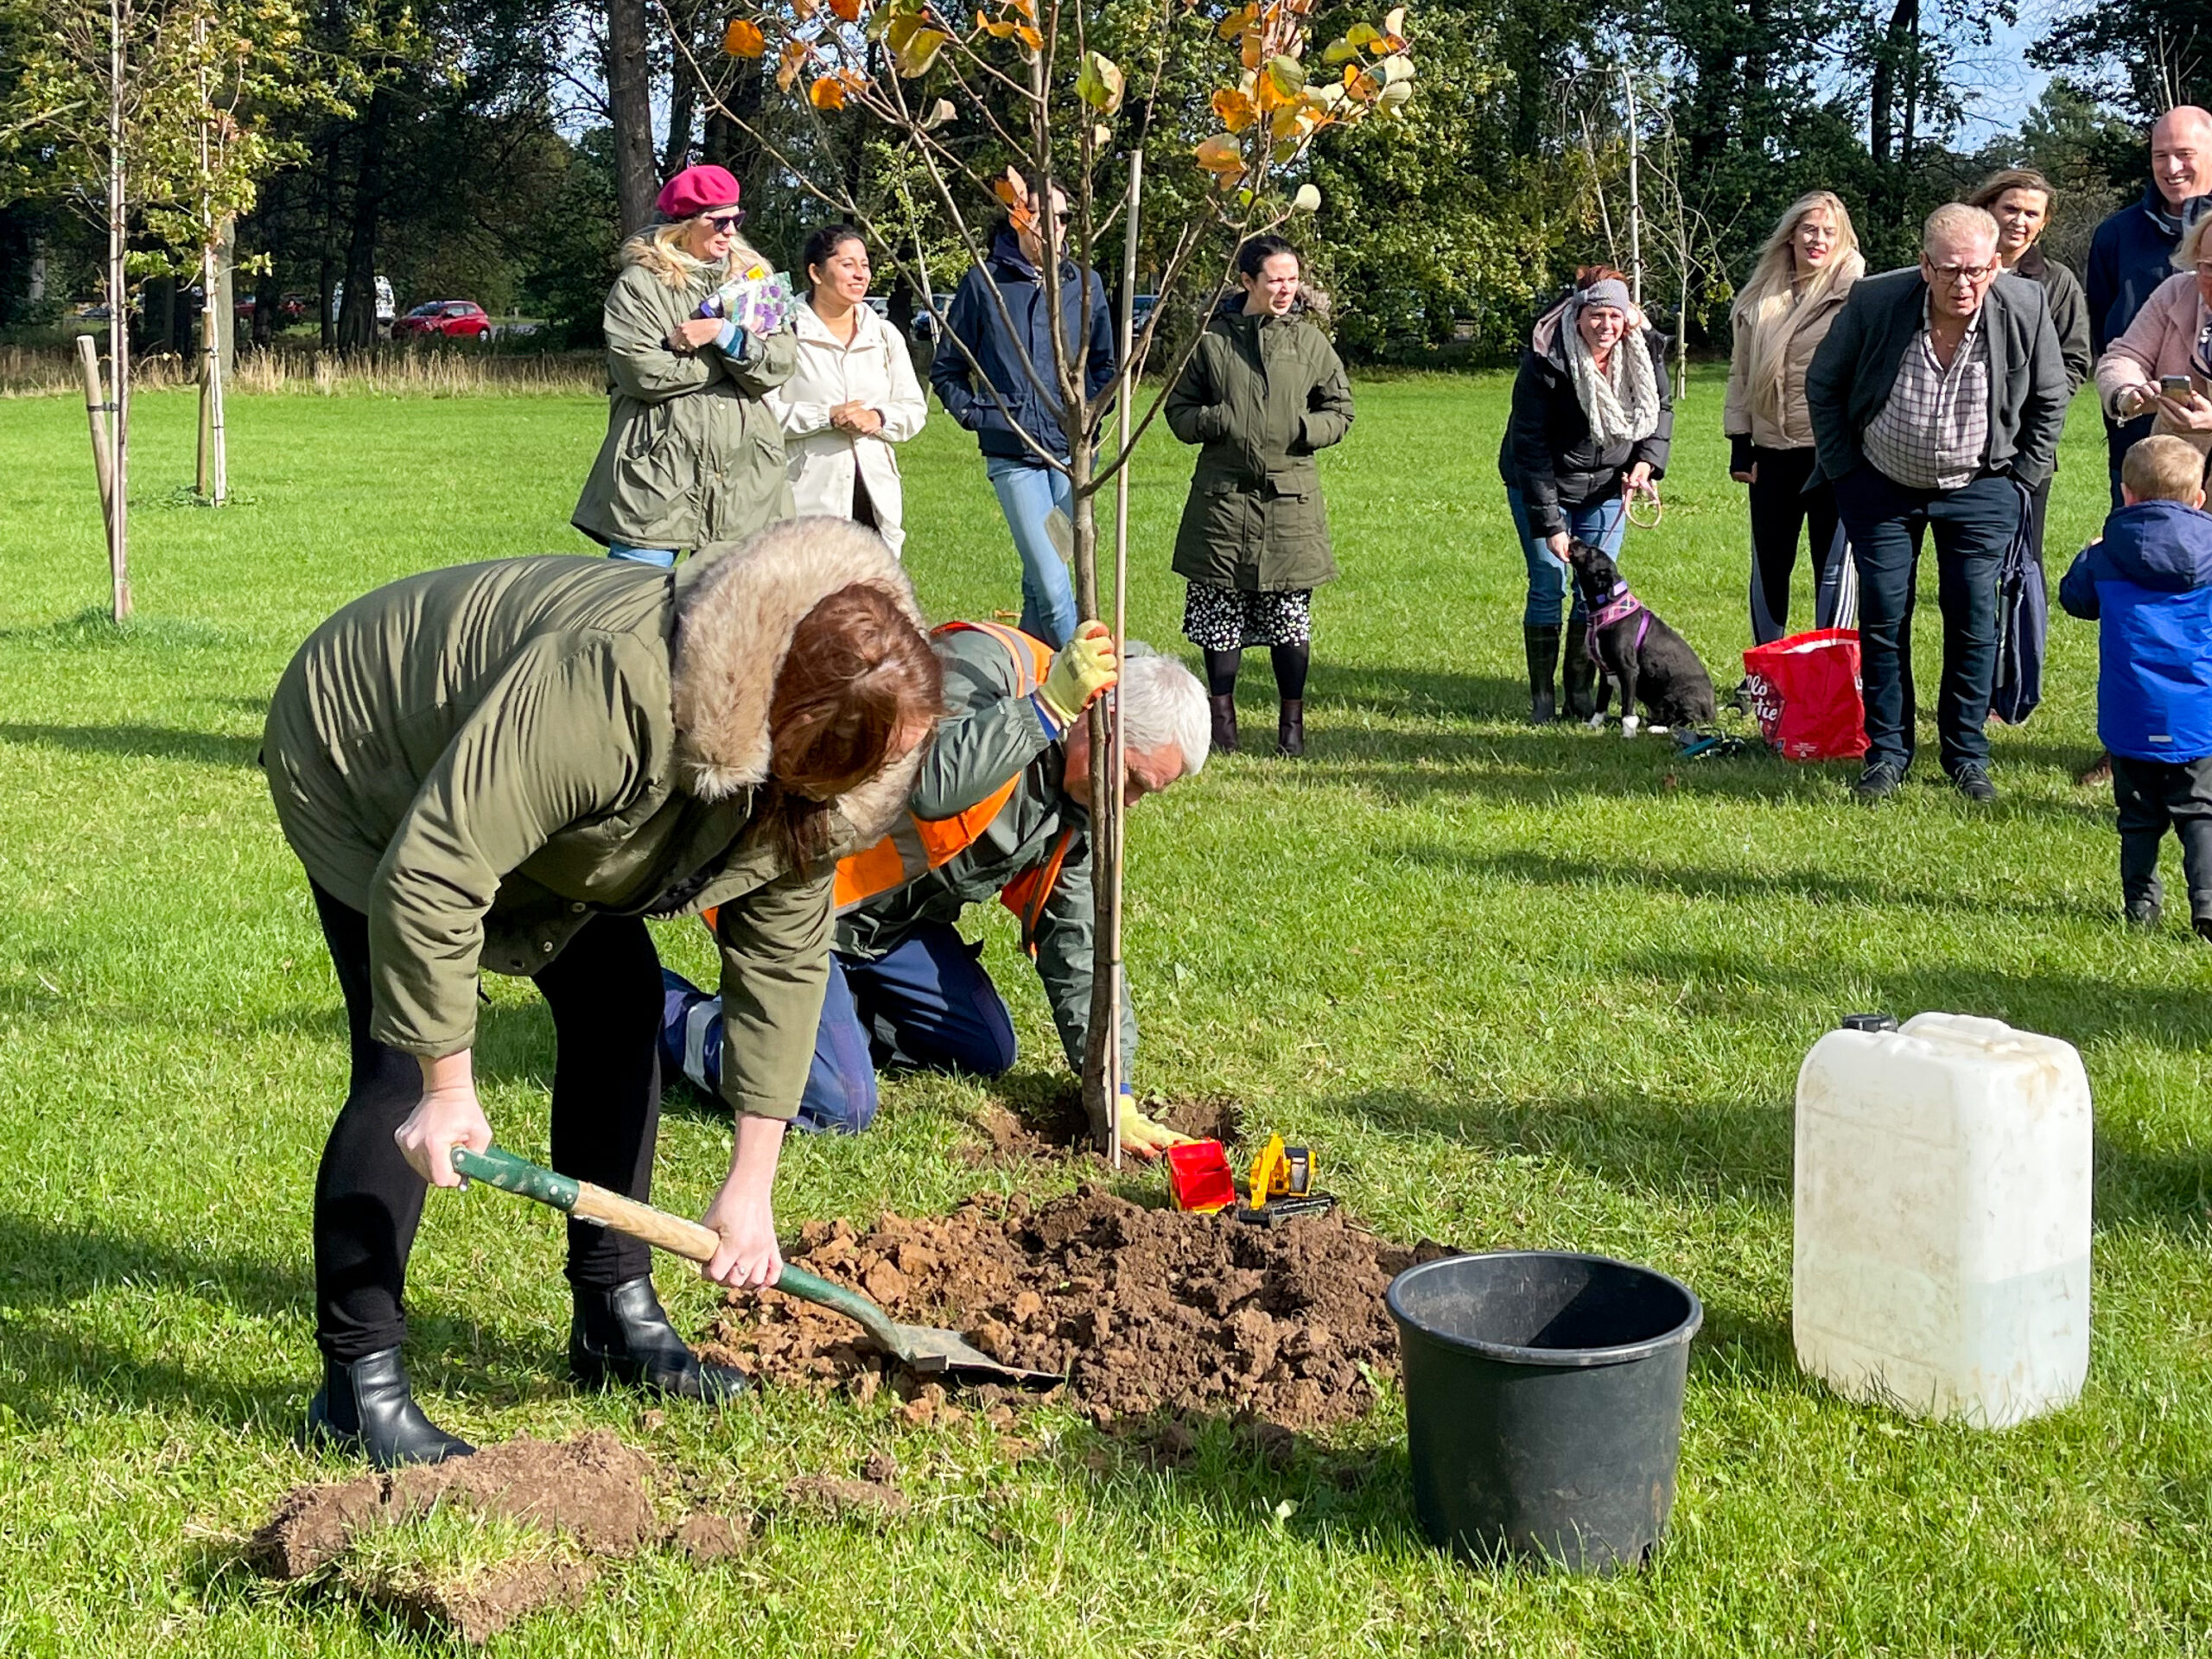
[630, 104]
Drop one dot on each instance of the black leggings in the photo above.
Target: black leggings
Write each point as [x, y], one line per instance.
[1290, 664]
[1781, 506]
[604, 990]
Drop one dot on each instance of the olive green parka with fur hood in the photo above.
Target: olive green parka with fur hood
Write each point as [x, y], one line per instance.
[692, 455]
[480, 758]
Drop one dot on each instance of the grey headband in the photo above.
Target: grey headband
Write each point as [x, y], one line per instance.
[1610, 291]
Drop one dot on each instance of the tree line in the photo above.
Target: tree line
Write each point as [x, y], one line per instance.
[497, 150]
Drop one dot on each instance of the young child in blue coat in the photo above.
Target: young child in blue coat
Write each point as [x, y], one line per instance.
[2148, 582]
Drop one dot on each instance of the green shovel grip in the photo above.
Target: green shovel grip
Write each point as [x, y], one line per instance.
[797, 1281]
[518, 1175]
[512, 1174]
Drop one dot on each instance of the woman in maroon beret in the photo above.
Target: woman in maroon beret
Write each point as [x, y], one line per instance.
[698, 330]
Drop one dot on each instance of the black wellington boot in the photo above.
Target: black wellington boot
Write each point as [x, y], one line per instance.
[367, 1408]
[1225, 723]
[1290, 729]
[1543, 658]
[622, 1336]
[1579, 675]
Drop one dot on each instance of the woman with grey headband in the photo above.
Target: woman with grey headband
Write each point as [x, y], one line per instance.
[1592, 417]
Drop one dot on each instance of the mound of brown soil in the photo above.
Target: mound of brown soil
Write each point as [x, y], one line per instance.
[1144, 1309]
[594, 1493]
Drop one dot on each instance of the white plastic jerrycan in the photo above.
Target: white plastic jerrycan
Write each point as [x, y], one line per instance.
[1943, 1217]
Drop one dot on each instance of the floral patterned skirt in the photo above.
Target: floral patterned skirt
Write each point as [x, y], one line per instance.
[1227, 619]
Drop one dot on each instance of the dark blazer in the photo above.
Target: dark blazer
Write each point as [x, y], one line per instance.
[1857, 364]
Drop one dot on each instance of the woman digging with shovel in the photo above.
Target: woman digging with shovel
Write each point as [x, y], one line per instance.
[508, 766]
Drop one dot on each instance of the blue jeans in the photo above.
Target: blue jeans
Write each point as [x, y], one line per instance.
[1972, 526]
[1027, 495]
[925, 1005]
[663, 557]
[1551, 585]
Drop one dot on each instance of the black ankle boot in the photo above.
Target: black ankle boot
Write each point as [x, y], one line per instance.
[1225, 723]
[622, 1336]
[1542, 645]
[1290, 729]
[1579, 675]
[365, 1406]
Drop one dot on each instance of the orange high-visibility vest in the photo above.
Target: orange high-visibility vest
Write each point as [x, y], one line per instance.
[919, 845]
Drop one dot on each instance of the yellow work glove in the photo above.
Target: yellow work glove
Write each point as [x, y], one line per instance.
[1085, 667]
[1142, 1138]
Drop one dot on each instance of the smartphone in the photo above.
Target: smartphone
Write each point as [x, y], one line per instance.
[2174, 385]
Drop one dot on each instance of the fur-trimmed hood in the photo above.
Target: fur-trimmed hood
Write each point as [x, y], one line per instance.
[736, 607]
[678, 268]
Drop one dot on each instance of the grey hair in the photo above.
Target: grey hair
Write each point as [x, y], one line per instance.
[1161, 701]
[1957, 218]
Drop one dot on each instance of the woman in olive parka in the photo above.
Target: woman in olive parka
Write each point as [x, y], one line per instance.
[693, 454]
[1262, 392]
[506, 768]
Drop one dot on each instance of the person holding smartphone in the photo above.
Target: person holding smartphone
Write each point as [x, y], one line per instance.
[2160, 366]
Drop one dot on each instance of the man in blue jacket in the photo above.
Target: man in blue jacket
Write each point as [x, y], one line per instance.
[2132, 250]
[2147, 582]
[1003, 384]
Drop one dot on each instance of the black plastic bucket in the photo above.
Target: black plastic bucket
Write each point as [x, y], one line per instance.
[1544, 1403]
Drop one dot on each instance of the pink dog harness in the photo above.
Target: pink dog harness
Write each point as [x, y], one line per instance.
[1619, 606]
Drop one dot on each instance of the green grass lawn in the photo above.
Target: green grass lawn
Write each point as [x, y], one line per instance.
[1518, 987]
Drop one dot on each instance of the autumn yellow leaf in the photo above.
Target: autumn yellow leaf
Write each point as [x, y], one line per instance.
[743, 39]
[1238, 21]
[1032, 38]
[1234, 109]
[827, 93]
[848, 10]
[806, 8]
[789, 61]
[1221, 154]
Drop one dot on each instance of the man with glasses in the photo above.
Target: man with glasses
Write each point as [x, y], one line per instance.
[2132, 250]
[1936, 401]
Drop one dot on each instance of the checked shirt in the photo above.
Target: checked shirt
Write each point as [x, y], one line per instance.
[1935, 430]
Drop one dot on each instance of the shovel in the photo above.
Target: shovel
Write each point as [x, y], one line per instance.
[923, 1349]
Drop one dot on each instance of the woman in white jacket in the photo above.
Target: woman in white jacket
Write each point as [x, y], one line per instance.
[852, 396]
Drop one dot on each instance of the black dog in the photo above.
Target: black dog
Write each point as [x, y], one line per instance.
[1642, 658]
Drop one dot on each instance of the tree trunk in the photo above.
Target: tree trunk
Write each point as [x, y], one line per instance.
[357, 311]
[629, 101]
[683, 96]
[1898, 36]
[726, 142]
[118, 328]
[1103, 1034]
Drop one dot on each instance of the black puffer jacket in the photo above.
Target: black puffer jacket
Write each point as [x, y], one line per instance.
[1546, 454]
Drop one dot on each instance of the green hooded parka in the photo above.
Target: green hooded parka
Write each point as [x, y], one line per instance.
[1261, 395]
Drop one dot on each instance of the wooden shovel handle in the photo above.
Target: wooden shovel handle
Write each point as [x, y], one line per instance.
[673, 1233]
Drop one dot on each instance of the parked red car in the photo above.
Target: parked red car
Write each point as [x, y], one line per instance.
[450, 319]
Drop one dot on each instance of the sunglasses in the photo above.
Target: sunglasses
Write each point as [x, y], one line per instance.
[725, 223]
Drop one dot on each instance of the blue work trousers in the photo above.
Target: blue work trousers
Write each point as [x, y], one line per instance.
[925, 1005]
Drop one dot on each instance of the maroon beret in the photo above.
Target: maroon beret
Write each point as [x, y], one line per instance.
[696, 190]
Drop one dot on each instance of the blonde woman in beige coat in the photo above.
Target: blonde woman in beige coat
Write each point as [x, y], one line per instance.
[2141, 372]
[852, 396]
[1797, 286]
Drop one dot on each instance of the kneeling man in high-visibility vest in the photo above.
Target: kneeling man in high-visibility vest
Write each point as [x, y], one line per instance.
[1000, 808]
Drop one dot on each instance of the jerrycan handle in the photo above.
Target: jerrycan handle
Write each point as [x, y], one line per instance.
[1868, 1022]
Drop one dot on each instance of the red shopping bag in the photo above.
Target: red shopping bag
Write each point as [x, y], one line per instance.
[1805, 695]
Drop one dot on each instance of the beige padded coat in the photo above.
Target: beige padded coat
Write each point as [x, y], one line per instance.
[1773, 414]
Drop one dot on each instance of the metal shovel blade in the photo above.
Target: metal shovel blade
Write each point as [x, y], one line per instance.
[927, 1351]
[923, 1349]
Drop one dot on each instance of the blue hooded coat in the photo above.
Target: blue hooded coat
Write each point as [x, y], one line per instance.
[2148, 584]
[1019, 363]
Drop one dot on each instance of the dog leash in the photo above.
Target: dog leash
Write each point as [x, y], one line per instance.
[1646, 499]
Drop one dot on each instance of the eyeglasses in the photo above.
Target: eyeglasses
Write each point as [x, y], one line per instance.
[1956, 274]
[726, 223]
